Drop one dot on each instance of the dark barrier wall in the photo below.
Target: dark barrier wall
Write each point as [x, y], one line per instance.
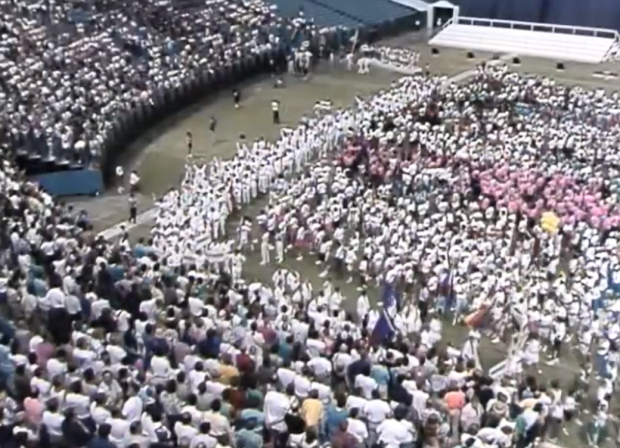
[71, 183]
[594, 13]
[131, 124]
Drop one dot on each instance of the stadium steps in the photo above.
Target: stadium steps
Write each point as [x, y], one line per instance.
[369, 12]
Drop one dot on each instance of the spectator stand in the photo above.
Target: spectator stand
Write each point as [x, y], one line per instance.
[84, 80]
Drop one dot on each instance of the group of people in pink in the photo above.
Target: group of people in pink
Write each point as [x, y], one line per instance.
[532, 191]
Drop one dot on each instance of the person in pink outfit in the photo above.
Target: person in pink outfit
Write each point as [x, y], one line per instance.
[33, 408]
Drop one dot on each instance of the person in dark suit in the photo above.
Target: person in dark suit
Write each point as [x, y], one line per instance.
[102, 439]
[74, 433]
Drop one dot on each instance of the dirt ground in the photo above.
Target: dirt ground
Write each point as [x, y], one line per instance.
[162, 156]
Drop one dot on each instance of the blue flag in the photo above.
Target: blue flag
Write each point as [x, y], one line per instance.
[384, 328]
[611, 293]
[612, 287]
[390, 297]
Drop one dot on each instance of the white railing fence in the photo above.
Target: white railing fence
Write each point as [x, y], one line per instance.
[532, 26]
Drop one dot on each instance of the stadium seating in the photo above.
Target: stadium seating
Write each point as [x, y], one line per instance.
[321, 15]
[67, 73]
[75, 76]
[369, 12]
[526, 42]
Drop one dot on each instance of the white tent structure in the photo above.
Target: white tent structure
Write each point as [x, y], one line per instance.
[431, 16]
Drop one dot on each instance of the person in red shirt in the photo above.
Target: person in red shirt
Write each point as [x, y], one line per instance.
[343, 439]
[244, 363]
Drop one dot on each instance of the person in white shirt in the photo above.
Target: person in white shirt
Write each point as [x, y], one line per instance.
[57, 365]
[53, 419]
[366, 383]
[119, 427]
[184, 429]
[133, 406]
[98, 411]
[357, 427]
[161, 369]
[276, 406]
[302, 383]
[376, 410]
[39, 382]
[78, 401]
[321, 367]
[392, 433]
[203, 437]
[220, 426]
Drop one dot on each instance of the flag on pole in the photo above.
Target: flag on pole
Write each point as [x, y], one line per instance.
[384, 328]
[479, 319]
[390, 297]
[446, 290]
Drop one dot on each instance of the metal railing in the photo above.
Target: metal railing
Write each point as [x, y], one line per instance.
[532, 26]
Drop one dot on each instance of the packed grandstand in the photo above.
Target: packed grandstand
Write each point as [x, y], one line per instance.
[491, 204]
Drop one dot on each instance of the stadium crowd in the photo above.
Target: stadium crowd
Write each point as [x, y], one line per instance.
[70, 70]
[434, 191]
[424, 189]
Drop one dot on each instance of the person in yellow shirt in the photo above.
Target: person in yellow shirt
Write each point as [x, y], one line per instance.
[312, 410]
[227, 371]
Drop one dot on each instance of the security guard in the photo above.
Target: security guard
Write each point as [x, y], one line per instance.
[133, 208]
[275, 110]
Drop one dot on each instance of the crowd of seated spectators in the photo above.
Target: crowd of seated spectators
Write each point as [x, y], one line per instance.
[67, 69]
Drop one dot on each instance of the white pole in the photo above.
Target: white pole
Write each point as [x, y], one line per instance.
[430, 21]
